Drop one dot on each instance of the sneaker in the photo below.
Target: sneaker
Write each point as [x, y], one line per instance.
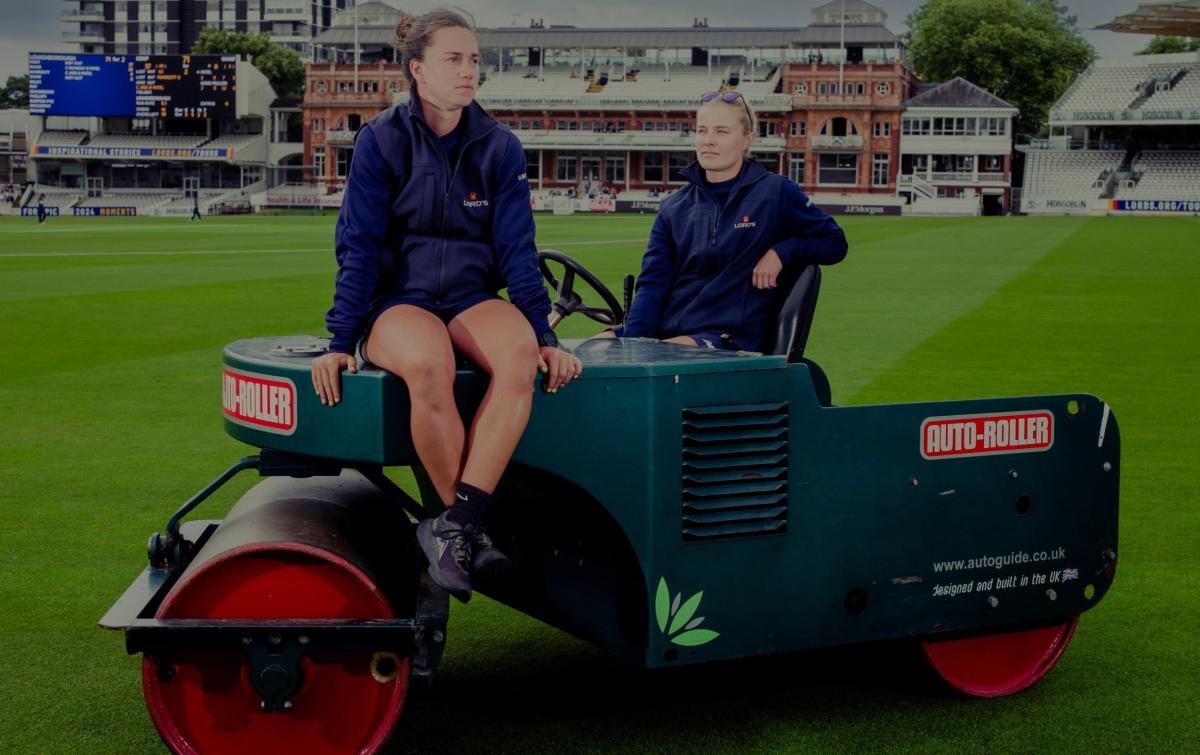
[448, 552]
[488, 561]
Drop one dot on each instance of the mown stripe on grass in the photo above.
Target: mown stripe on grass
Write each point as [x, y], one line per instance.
[78, 332]
[1108, 311]
[888, 296]
[100, 449]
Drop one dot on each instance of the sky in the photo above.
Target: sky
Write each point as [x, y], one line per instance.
[34, 26]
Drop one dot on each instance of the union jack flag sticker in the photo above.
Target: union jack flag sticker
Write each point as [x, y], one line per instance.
[1070, 574]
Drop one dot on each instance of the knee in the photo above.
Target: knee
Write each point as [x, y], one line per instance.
[431, 384]
[515, 373]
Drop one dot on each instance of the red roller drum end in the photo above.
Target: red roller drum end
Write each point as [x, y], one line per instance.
[204, 702]
[994, 665]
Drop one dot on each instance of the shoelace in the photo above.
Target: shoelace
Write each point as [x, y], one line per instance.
[460, 544]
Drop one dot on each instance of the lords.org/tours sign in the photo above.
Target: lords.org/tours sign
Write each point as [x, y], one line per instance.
[1157, 205]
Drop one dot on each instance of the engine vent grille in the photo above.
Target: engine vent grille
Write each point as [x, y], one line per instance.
[735, 461]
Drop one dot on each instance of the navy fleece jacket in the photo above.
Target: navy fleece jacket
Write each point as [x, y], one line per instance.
[418, 225]
[696, 273]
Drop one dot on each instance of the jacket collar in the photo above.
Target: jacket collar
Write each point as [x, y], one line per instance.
[475, 120]
[751, 171]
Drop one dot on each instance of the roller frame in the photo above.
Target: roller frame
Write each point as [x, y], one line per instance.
[271, 643]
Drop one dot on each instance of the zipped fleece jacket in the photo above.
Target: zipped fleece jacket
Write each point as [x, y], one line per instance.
[696, 273]
[415, 225]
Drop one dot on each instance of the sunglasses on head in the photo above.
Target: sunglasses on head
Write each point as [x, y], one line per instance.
[730, 97]
[727, 97]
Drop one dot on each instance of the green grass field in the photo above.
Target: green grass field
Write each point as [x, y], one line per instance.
[113, 331]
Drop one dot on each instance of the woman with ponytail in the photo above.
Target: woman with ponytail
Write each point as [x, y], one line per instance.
[436, 219]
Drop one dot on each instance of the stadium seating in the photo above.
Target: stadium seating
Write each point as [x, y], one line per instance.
[1104, 89]
[146, 140]
[142, 200]
[233, 141]
[1124, 83]
[207, 198]
[1185, 93]
[1164, 176]
[1068, 175]
[651, 82]
[61, 138]
[54, 197]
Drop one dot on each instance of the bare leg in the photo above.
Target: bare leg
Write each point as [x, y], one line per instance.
[415, 346]
[497, 337]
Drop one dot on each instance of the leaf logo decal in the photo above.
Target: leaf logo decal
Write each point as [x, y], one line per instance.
[675, 620]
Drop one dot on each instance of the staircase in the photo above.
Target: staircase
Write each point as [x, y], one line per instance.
[1147, 91]
[1150, 87]
[916, 185]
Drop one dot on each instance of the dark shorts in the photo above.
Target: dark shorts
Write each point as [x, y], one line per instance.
[445, 313]
[713, 341]
[703, 340]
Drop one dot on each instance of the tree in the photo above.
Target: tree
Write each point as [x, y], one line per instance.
[15, 93]
[1024, 51]
[1164, 45]
[281, 65]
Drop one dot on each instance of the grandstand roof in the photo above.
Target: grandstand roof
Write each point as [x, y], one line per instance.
[847, 6]
[816, 35]
[823, 35]
[369, 14]
[1178, 19]
[957, 92]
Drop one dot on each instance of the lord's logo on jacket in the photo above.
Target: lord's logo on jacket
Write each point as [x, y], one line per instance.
[473, 200]
[746, 222]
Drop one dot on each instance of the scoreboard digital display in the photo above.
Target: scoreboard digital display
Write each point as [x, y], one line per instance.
[135, 86]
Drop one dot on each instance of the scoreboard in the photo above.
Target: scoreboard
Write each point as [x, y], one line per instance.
[135, 86]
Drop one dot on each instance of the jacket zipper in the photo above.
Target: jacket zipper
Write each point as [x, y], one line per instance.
[443, 247]
[712, 240]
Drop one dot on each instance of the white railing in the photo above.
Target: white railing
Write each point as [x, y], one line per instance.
[836, 142]
[339, 136]
[964, 177]
[633, 140]
[599, 101]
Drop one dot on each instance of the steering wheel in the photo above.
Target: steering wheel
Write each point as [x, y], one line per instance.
[569, 302]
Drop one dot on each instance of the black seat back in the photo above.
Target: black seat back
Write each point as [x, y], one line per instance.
[792, 313]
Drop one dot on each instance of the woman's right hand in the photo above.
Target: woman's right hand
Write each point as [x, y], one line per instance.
[327, 375]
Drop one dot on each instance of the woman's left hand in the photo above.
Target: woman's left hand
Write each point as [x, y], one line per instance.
[560, 367]
[767, 270]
